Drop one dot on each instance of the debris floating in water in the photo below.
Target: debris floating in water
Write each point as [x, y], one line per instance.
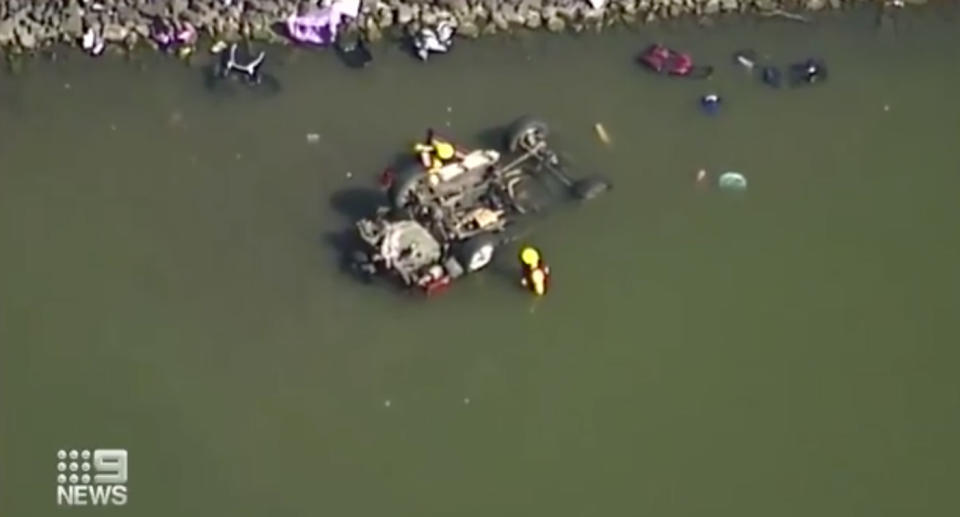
[387, 403]
[701, 175]
[466, 400]
[313, 138]
[218, 47]
[732, 181]
[437, 39]
[602, 133]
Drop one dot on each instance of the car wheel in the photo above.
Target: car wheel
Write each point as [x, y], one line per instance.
[477, 252]
[525, 133]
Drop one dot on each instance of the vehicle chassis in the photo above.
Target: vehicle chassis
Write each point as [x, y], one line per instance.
[437, 229]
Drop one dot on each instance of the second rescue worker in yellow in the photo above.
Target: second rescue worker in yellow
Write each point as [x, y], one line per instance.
[435, 153]
[536, 273]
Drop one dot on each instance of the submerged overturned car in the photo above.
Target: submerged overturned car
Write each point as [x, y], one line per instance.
[438, 227]
[667, 61]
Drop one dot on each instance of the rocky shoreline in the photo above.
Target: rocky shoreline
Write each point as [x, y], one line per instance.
[96, 25]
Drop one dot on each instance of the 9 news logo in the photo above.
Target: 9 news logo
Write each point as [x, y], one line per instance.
[97, 479]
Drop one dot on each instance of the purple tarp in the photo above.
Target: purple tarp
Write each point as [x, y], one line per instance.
[319, 27]
[166, 35]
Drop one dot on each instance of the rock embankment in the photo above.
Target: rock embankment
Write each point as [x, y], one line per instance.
[27, 25]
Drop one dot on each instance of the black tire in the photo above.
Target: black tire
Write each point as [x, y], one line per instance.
[404, 183]
[476, 253]
[590, 188]
[519, 133]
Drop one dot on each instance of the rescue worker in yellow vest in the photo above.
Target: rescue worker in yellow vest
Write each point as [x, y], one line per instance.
[536, 273]
[435, 153]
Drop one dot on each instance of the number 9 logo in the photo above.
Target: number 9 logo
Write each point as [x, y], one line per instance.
[111, 466]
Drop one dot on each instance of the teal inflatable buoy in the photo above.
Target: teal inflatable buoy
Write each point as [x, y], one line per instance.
[733, 181]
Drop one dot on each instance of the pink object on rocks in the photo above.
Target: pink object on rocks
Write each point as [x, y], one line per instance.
[320, 26]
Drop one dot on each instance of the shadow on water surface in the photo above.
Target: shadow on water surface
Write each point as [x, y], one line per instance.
[352, 204]
[356, 202]
[492, 137]
[268, 87]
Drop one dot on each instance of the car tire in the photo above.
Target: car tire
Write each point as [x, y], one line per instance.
[522, 130]
[404, 183]
[476, 253]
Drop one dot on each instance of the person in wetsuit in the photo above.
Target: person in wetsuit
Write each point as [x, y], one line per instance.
[710, 103]
[536, 273]
[810, 71]
[435, 153]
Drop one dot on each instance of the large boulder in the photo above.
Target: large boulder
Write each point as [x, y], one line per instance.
[269, 7]
[26, 36]
[151, 9]
[592, 15]
[114, 33]
[7, 32]
[499, 21]
[729, 5]
[628, 6]
[530, 5]
[429, 17]
[456, 6]
[468, 29]
[556, 24]
[125, 14]
[512, 15]
[406, 13]
[534, 21]
[373, 31]
[384, 17]
[179, 6]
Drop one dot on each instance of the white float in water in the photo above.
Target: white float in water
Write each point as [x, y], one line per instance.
[733, 181]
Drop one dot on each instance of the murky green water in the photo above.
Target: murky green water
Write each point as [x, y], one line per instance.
[168, 287]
